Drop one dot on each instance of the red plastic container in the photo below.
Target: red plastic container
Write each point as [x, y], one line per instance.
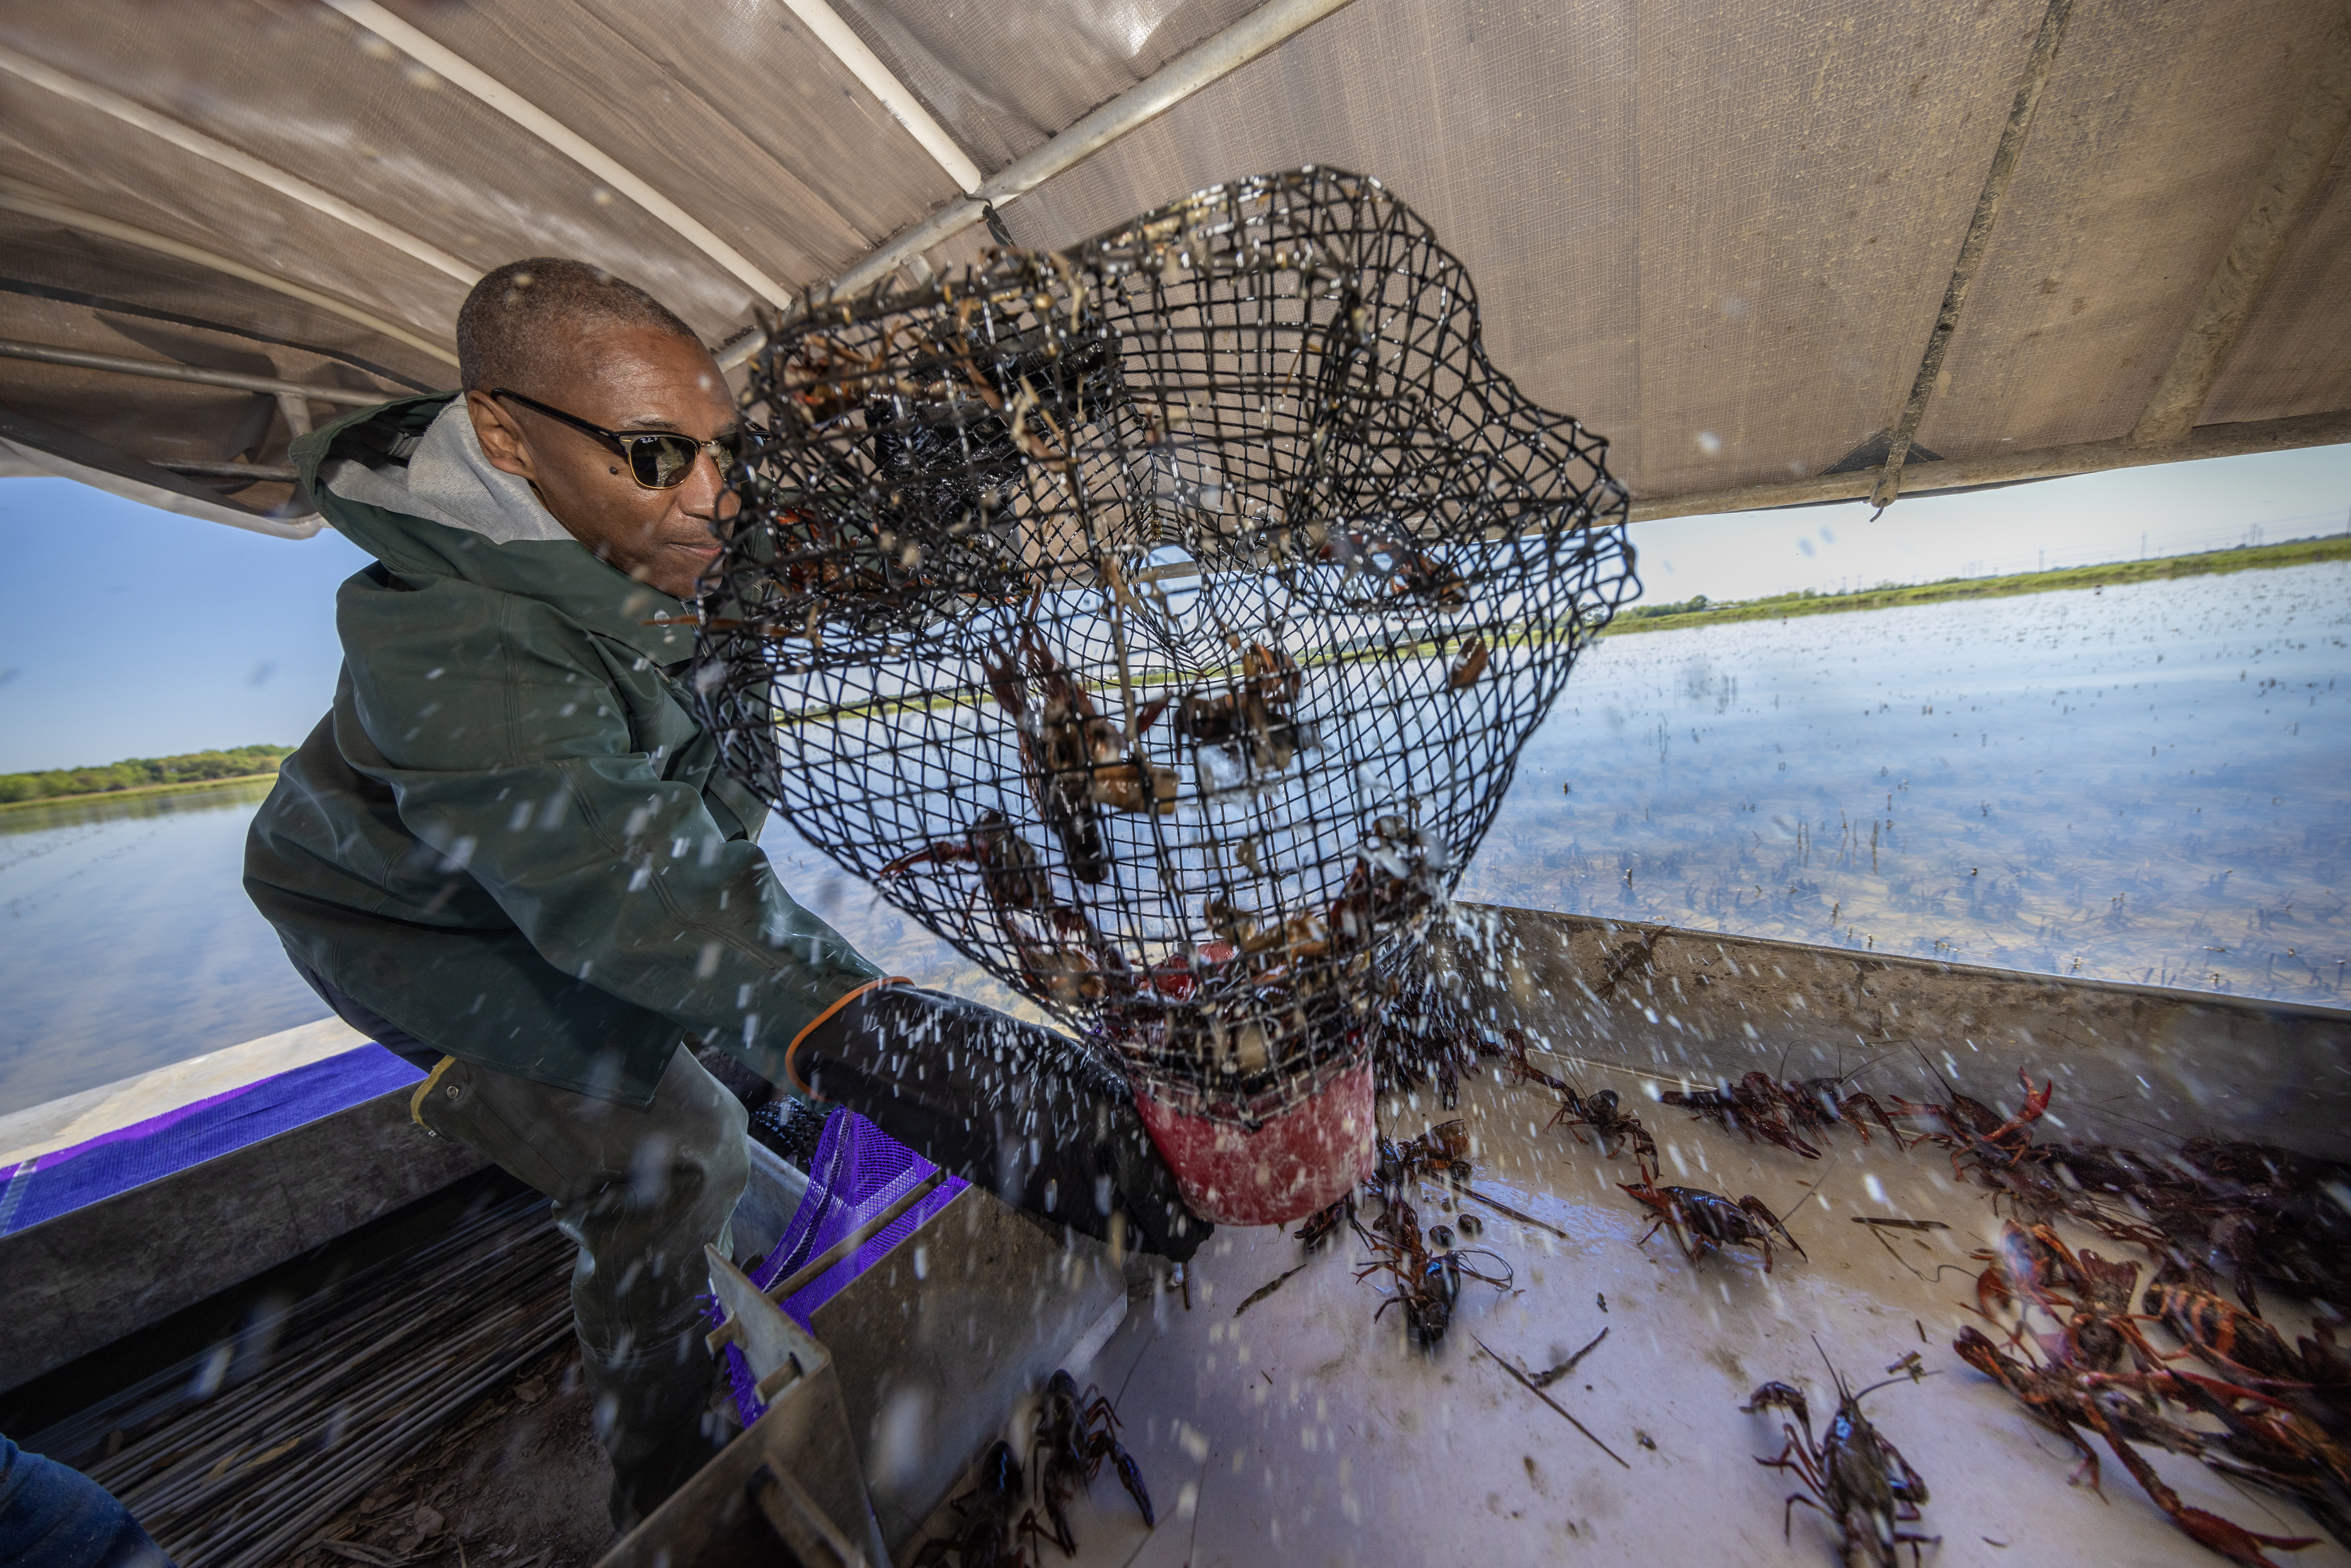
[1239, 1163]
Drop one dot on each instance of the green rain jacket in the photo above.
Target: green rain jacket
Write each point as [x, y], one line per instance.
[509, 837]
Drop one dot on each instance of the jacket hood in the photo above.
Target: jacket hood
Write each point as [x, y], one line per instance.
[407, 482]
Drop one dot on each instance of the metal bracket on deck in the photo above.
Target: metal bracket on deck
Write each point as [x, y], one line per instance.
[792, 1475]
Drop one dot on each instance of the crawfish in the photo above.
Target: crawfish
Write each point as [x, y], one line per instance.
[1814, 1103]
[1075, 1433]
[1713, 1220]
[1410, 573]
[1855, 1476]
[989, 1535]
[1754, 1107]
[1009, 876]
[2091, 1296]
[1600, 1111]
[2066, 1402]
[1076, 760]
[1428, 1287]
[1063, 957]
[1324, 1222]
[2311, 1378]
[2265, 1439]
[1443, 1150]
[1977, 1132]
[1257, 713]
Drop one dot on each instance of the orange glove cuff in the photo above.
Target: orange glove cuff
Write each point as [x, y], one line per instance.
[817, 1023]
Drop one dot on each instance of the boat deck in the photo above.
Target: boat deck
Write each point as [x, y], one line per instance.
[1304, 1427]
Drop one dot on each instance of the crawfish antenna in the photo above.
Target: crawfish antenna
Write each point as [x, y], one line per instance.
[1866, 1066]
[1834, 1375]
[1807, 1197]
[1883, 1381]
[1947, 1085]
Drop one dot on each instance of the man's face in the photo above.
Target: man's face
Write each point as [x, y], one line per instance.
[623, 379]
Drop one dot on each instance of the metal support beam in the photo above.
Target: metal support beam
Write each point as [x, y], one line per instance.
[80, 358]
[16, 198]
[2013, 467]
[463, 74]
[259, 473]
[1266, 29]
[214, 150]
[1979, 238]
[877, 78]
[2287, 186]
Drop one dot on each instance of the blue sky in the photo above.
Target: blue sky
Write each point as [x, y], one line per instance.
[127, 631]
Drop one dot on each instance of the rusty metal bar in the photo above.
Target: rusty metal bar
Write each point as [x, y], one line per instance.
[122, 364]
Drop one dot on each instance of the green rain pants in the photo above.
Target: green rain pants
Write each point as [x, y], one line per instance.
[641, 1191]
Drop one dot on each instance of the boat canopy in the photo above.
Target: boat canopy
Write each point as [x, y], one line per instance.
[1776, 254]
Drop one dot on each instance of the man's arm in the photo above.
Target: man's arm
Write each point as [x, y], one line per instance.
[507, 739]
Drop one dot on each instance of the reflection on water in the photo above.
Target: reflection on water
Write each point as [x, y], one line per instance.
[2151, 784]
[127, 942]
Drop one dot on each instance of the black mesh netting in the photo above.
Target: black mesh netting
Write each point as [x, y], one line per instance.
[1159, 621]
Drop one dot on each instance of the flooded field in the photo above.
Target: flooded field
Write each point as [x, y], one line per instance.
[2149, 783]
[127, 942]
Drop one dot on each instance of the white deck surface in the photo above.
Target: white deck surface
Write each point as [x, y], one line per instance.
[1305, 1432]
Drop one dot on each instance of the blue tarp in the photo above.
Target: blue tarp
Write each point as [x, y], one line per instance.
[65, 1179]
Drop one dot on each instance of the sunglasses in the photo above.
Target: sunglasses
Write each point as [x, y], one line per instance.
[658, 460]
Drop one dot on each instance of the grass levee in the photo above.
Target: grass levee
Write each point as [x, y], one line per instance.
[1701, 612]
[140, 775]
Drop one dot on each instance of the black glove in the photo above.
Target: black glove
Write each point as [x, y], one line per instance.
[1006, 1104]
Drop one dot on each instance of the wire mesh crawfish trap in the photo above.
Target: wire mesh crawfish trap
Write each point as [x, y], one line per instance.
[1159, 621]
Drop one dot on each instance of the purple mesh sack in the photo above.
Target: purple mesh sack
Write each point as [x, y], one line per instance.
[859, 1171]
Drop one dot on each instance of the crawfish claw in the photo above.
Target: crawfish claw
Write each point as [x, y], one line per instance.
[1130, 1475]
[2233, 1541]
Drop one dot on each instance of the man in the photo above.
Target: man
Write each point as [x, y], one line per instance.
[510, 853]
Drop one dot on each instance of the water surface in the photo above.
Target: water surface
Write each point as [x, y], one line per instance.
[127, 942]
[2149, 783]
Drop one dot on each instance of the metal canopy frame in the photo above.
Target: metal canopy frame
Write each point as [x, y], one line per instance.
[214, 150]
[465, 75]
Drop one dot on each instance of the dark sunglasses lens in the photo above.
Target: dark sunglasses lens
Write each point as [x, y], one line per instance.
[662, 462]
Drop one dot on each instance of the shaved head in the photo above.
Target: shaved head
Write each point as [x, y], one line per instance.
[519, 326]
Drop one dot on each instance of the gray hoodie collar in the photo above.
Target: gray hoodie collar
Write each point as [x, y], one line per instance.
[449, 481]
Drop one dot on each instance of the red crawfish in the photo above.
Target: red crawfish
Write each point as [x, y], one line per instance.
[1062, 955]
[1974, 1132]
[2065, 1401]
[1854, 1474]
[1600, 1111]
[1443, 1150]
[1257, 712]
[1711, 1220]
[1009, 875]
[1429, 1286]
[1410, 573]
[2088, 1295]
[1814, 1103]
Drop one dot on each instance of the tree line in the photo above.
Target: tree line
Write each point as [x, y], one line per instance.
[141, 773]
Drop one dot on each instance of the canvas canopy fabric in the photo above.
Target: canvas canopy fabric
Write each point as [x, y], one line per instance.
[1719, 235]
